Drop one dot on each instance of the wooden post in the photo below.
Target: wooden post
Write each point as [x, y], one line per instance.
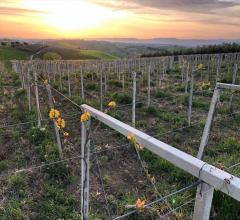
[50, 100]
[233, 82]
[134, 100]
[85, 164]
[190, 98]
[204, 194]
[149, 85]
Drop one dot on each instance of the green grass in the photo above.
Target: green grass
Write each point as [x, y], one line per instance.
[9, 53]
[98, 54]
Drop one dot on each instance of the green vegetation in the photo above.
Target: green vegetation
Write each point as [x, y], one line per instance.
[98, 54]
[52, 191]
[122, 98]
[9, 53]
[51, 56]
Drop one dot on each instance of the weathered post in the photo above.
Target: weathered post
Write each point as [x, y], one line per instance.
[204, 194]
[134, 99]
[190, 98]
[149, 85]
[187, 79]
[218, 69]
[50, 100]
[85, 164]
[233, 82]
[123, 82]
[69, 83]
[37, 99]
[82, 86]
[105, 82]
[101, 91]
[29, 90]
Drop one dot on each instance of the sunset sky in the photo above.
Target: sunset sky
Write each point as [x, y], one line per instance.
[205, 19]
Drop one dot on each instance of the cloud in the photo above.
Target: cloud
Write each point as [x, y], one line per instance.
[14, 8]
[186, 5]
[18, 11]
[203, 6]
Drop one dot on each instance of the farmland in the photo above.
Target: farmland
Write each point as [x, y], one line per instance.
[39, 183]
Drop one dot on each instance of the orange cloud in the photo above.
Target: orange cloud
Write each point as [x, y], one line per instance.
[119, 18]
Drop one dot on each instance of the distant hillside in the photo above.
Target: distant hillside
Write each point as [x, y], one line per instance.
[119, 49]
[68, 53]
[170, 41]
[9, 53]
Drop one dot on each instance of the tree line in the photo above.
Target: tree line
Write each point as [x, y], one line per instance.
[206, 49]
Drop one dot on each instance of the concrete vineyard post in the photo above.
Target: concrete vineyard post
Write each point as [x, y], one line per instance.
[50, 100]
[85, 165]
[29, 90]
[69, 83]
[235, 68]
[204, 194]
[82, 85]
[149, 86]
[134, 100]
[37, 99]
[190, 98]
[101, 91]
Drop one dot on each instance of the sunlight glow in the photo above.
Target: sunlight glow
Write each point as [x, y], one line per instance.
[72, 15]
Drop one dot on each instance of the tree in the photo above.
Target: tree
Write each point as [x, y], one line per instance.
[52, 56]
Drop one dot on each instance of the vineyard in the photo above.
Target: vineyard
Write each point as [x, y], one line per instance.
[146, 138]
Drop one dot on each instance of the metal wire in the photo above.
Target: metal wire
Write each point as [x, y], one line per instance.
[100, 176]
[161, 200]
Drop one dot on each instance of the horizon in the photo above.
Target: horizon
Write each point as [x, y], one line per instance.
[141, 19]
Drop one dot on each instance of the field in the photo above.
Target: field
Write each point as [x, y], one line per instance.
[9, 53]
[97, 54]
[37, 184]
[24, 52]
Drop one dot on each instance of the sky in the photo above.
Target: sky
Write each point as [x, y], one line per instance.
[184, 19]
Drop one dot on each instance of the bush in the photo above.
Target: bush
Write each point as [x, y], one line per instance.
[200, 104]
[20, 93]
[161, 94]
[152, 110]
[13, 210]
[17, 182]
[37, 135]
[116, 83]
[52, 56]
[122, 98]
[4, 165]
[57, 170]
[57, 205]
[91, 86]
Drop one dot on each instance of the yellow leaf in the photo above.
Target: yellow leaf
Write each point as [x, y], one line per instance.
[85, 116]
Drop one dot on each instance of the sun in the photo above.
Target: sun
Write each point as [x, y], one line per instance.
[72, 15]
[76, 15]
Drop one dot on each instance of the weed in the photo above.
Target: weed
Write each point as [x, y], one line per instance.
[122, 98]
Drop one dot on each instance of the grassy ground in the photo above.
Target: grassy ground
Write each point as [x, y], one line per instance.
[52, 192]
[9, 53]
[98, 54]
